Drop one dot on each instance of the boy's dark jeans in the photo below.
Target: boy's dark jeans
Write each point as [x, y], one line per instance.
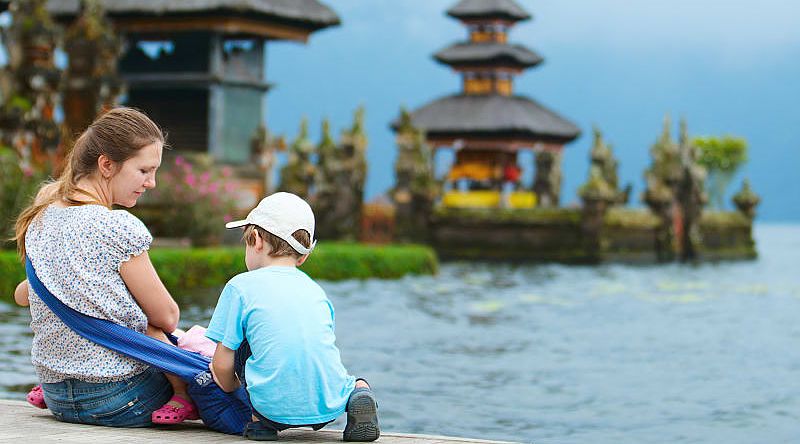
[239, 360]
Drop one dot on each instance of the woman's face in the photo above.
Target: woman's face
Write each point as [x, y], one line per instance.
[136, 175]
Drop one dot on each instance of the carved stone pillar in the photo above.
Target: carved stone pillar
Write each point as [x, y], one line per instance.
[547, 183]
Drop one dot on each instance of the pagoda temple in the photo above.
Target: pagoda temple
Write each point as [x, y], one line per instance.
[198, 67]
[487, 124]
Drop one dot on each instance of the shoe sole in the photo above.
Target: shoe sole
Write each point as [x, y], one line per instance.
[253, 432]
[362, 414]
[262, 437]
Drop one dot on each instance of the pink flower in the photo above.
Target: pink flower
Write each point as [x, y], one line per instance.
[190, 180]
[227, 171]
[213, 187]
[180, 161]
[204, 177]
[227, 218]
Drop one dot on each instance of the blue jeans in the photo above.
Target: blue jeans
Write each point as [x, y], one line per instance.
[127, 403]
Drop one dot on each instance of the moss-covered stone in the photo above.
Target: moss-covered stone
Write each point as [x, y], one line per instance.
[568, 216]
[635, 218]
[724, 219]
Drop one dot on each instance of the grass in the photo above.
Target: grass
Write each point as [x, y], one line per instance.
[186, 269]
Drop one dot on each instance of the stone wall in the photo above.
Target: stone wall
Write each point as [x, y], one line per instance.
[555, 235]
[727, 235]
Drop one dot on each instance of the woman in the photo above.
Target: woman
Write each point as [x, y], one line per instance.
[94, 259]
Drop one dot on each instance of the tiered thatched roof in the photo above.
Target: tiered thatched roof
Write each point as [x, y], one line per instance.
[495, 54]
[310, 12]
[493, 9]
[492, 116]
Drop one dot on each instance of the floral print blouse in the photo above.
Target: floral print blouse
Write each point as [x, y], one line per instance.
[77, 252]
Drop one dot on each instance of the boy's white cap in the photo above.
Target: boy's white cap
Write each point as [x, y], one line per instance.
[282, 214]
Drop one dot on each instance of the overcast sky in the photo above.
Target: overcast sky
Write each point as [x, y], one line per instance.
[729, 67]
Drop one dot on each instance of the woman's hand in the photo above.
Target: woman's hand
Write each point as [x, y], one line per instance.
[21, 294]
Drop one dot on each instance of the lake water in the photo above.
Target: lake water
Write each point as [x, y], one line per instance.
[564, 354]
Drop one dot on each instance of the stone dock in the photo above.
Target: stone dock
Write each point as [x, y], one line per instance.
[21, 423]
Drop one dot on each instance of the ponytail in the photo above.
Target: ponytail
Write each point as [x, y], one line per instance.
[49, 193]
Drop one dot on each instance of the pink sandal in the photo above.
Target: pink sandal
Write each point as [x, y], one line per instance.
[169, 414]
[36, 397]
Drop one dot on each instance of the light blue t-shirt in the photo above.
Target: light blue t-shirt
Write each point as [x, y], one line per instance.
[295, 375]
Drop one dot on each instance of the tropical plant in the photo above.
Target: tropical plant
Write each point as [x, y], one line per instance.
[722, 157]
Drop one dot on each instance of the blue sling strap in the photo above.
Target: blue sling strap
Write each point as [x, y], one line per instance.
[224, 412]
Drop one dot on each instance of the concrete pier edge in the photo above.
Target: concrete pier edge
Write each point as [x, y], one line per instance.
[21, 422]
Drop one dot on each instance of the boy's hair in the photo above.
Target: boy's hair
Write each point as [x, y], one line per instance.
[278, 246]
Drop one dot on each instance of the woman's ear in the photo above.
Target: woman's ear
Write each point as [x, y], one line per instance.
[106, 166]
[302, 259]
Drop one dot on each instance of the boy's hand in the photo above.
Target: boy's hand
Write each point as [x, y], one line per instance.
[213, 375]
[221, 367]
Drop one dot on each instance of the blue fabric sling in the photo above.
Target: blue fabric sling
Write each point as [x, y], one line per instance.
[220, 411]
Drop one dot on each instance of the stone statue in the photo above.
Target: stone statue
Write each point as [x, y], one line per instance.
[603, 157]
[297, 176]
[547, 183]
[746, 200]
[91, 83]
[691, 195]
[350, 173]
[597, 194]
[263, 149]
[30, 84]
[415, 186]
[662, 178]
[323, 200]
[666, 165]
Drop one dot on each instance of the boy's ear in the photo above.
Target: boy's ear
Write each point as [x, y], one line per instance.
[259, 243]
[301, 259]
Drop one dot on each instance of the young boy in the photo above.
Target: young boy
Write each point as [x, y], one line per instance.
[282, 323]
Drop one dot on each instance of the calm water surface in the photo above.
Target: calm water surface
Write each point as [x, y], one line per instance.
[564, 354]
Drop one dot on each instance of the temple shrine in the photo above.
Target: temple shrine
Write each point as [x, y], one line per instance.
[487, 124]
[198, 67]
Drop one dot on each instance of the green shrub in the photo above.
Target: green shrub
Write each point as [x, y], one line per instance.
[18, 184]
[11, 273]
[189, 271]
[722, 157]
[194, 199]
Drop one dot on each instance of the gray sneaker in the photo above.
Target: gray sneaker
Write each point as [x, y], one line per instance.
[362, 417]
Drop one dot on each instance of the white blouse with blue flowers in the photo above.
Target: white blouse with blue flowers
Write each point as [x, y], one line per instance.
[77, 252]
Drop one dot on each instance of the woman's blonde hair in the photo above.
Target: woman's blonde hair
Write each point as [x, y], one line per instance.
[118, 134]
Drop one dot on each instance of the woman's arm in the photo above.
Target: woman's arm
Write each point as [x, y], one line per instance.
[21, 294]
[144, 284]
[221, 367]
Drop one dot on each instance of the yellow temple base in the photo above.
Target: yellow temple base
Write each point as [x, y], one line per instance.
[488, 199]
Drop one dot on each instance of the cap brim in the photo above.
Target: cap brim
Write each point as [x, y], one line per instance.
[236, 224]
